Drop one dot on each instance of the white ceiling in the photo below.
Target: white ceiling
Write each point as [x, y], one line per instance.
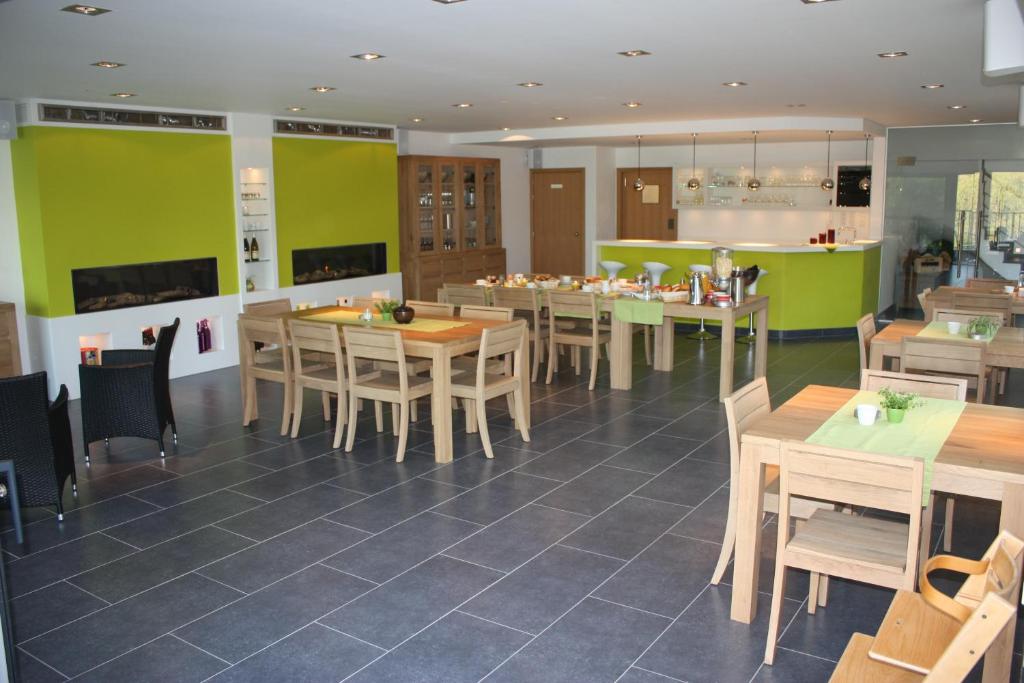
[263, 55]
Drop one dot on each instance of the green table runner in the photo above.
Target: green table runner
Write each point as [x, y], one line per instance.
[417, 325]
[939, 330]
[922, 433]
[639, 312]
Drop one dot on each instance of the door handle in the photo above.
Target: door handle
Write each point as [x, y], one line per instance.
[671, 223]
[577, 234]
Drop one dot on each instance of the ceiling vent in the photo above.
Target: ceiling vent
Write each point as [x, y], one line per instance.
[129, 117]
[333, 130]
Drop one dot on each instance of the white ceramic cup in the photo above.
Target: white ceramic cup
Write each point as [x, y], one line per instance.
[481, 282]
[953, 327]
[588, 288]
[867, 414]
[565, 279]
[1008, 289]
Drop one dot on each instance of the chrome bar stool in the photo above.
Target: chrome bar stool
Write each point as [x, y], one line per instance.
[702, 333]
[750, 337]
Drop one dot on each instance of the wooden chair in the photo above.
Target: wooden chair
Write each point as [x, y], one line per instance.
[398, 388]
[983, 301]
[270, 307]
[747, 405]
[476, 388]
[876, 551]
[965, 316]
[328, 378]
[459, 295]
[866, 331]
[922, 299]
[526, 306]
[365, 302]
[580, 308]
[272, 365]
[986, 283]
[964, 359]
[928, 636]
[432, 308]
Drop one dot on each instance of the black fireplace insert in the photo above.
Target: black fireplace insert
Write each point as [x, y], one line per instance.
[143, 284]
[321, 264]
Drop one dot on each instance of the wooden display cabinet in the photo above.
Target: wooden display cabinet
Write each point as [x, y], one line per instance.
[450, 222]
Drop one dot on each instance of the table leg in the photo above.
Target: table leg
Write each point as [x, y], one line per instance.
[525, 370]
[441, 404]
[621, 348]
[761, 345]
[747, 560]
[664, 345]
[876, 359]
[728, 359]
[999, 659]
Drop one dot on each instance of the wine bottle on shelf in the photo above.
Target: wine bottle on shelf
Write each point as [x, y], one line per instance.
[199, 336]
[245, 248]
[254, 250]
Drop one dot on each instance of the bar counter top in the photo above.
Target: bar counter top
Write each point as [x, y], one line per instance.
[764, 247]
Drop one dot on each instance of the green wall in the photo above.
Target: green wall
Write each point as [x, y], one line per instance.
[89, 197]
[332, 192]
[807, 290]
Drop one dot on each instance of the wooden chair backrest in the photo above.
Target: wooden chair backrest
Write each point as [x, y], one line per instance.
[486, 313]
[745, 406]
[501, 341]
[459, 294]
[965, 357]
[431, 308]
[315, 336]
[365, 302]
[573, 305]
[865, 333]
[980, 301]
[1005, 555]
[271, 307]
[269, 331]
[987, 283]
[377, 345]
[928, 386]
[922, 299]
[965, 316]
[521, 299]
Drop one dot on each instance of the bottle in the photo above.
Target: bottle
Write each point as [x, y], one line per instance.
[245, 248]
[199, 336]
[254, 250]
[207, 335]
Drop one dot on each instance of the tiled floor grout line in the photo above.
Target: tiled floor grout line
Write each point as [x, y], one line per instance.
[193, 645]
[782, 633]
[635, 609]
[482, 566]
[458, 519]
[210, 578]
[254, 541]
[29, 654]
[130, 545]
[549, 507]
[666, 502]
[87, 592]
[665, 676]
[591, 552]
[320, 563]
[505, 626]
[331, 628]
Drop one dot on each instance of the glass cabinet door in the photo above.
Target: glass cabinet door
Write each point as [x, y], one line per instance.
[425, 206]
[490, 206]
[469, 208]
[449, 230]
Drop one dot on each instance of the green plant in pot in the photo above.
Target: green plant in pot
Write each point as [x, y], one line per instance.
[386, 308]
[982, 328]
[897, 403]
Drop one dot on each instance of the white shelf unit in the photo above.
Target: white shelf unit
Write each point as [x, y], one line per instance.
[255, 210]
[783, 188]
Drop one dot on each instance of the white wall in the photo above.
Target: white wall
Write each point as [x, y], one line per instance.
[12, 285]
[515, 187]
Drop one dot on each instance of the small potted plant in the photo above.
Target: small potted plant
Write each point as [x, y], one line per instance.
[897, 403]
[386, 308]
[982, 328]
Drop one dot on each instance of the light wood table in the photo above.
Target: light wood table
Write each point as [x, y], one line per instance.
[440, 348]
[1006, 350]
[621, 346]
[982, 457]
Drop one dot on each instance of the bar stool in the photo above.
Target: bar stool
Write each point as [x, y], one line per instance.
[750, 337]
[700, 334]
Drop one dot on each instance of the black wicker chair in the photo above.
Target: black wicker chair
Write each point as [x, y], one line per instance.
[129, 394]
[37, 436]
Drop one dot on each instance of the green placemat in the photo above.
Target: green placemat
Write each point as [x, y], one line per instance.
[921, 434]
[939, 330]
[417, 325]
[640, 312]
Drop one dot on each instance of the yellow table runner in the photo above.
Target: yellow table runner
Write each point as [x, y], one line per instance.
[939, 330]
[640, 312]
[417, 325]
[922, 433]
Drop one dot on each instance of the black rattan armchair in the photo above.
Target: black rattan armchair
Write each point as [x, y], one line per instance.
[37, 437]
[129, 394]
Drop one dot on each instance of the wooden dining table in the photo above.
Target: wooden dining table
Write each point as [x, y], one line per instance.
[982, 457]
[439, 347]
[942, 297]
[1006, 350]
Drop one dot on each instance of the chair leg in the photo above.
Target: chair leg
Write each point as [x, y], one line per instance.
[378, 414]
[414, 413]
[339, 426]
[350, 440]
[297, 395]
[510, 401]
[286, 411]
[812, 593]
[552, 361]
[577, 359]
[823, 591]
[538, 350]
[927, 518]
[403, 430]
[325, 400]
[394, 418]
[249, 413]
[160, 441]
[947, 531]
[595, 353]
[729, 540]
[517, 398]
[647, 344]
[481, 425]
[470, 410]
[775, 615]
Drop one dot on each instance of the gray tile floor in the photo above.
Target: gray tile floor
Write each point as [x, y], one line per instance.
[583, 555]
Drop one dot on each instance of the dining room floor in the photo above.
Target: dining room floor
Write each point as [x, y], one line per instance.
[583, 555]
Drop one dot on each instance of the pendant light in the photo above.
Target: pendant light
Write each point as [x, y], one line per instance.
[694, 182]
[827, 184]
[865, 182]
[638, 184]
[754, 184]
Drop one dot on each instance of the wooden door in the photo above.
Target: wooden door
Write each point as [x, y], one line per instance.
[557, 220]
[648, 214]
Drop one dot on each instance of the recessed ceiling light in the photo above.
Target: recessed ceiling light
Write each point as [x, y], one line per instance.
[296, 108]
[632, 105]
[463, 105]
[506, 128]
[416, 119]
[530, 84]
[122, 95]
[957, 106]
[635, 53]
[814, 2]
[796, 106]
[734, 84]
[108, 65]
[322, 88]
[893, 55]
[975, 120]
[448, 2]
[559, 118]
[87, 10]
[368, 56]
[933, 86]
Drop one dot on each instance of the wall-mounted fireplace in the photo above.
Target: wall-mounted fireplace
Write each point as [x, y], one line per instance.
[143, 284]
[321, 264]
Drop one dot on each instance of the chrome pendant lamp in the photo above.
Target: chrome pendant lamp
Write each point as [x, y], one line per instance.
[865, 182]
[754, 184]
[694, 182]
[638, 184]
[827, 184]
